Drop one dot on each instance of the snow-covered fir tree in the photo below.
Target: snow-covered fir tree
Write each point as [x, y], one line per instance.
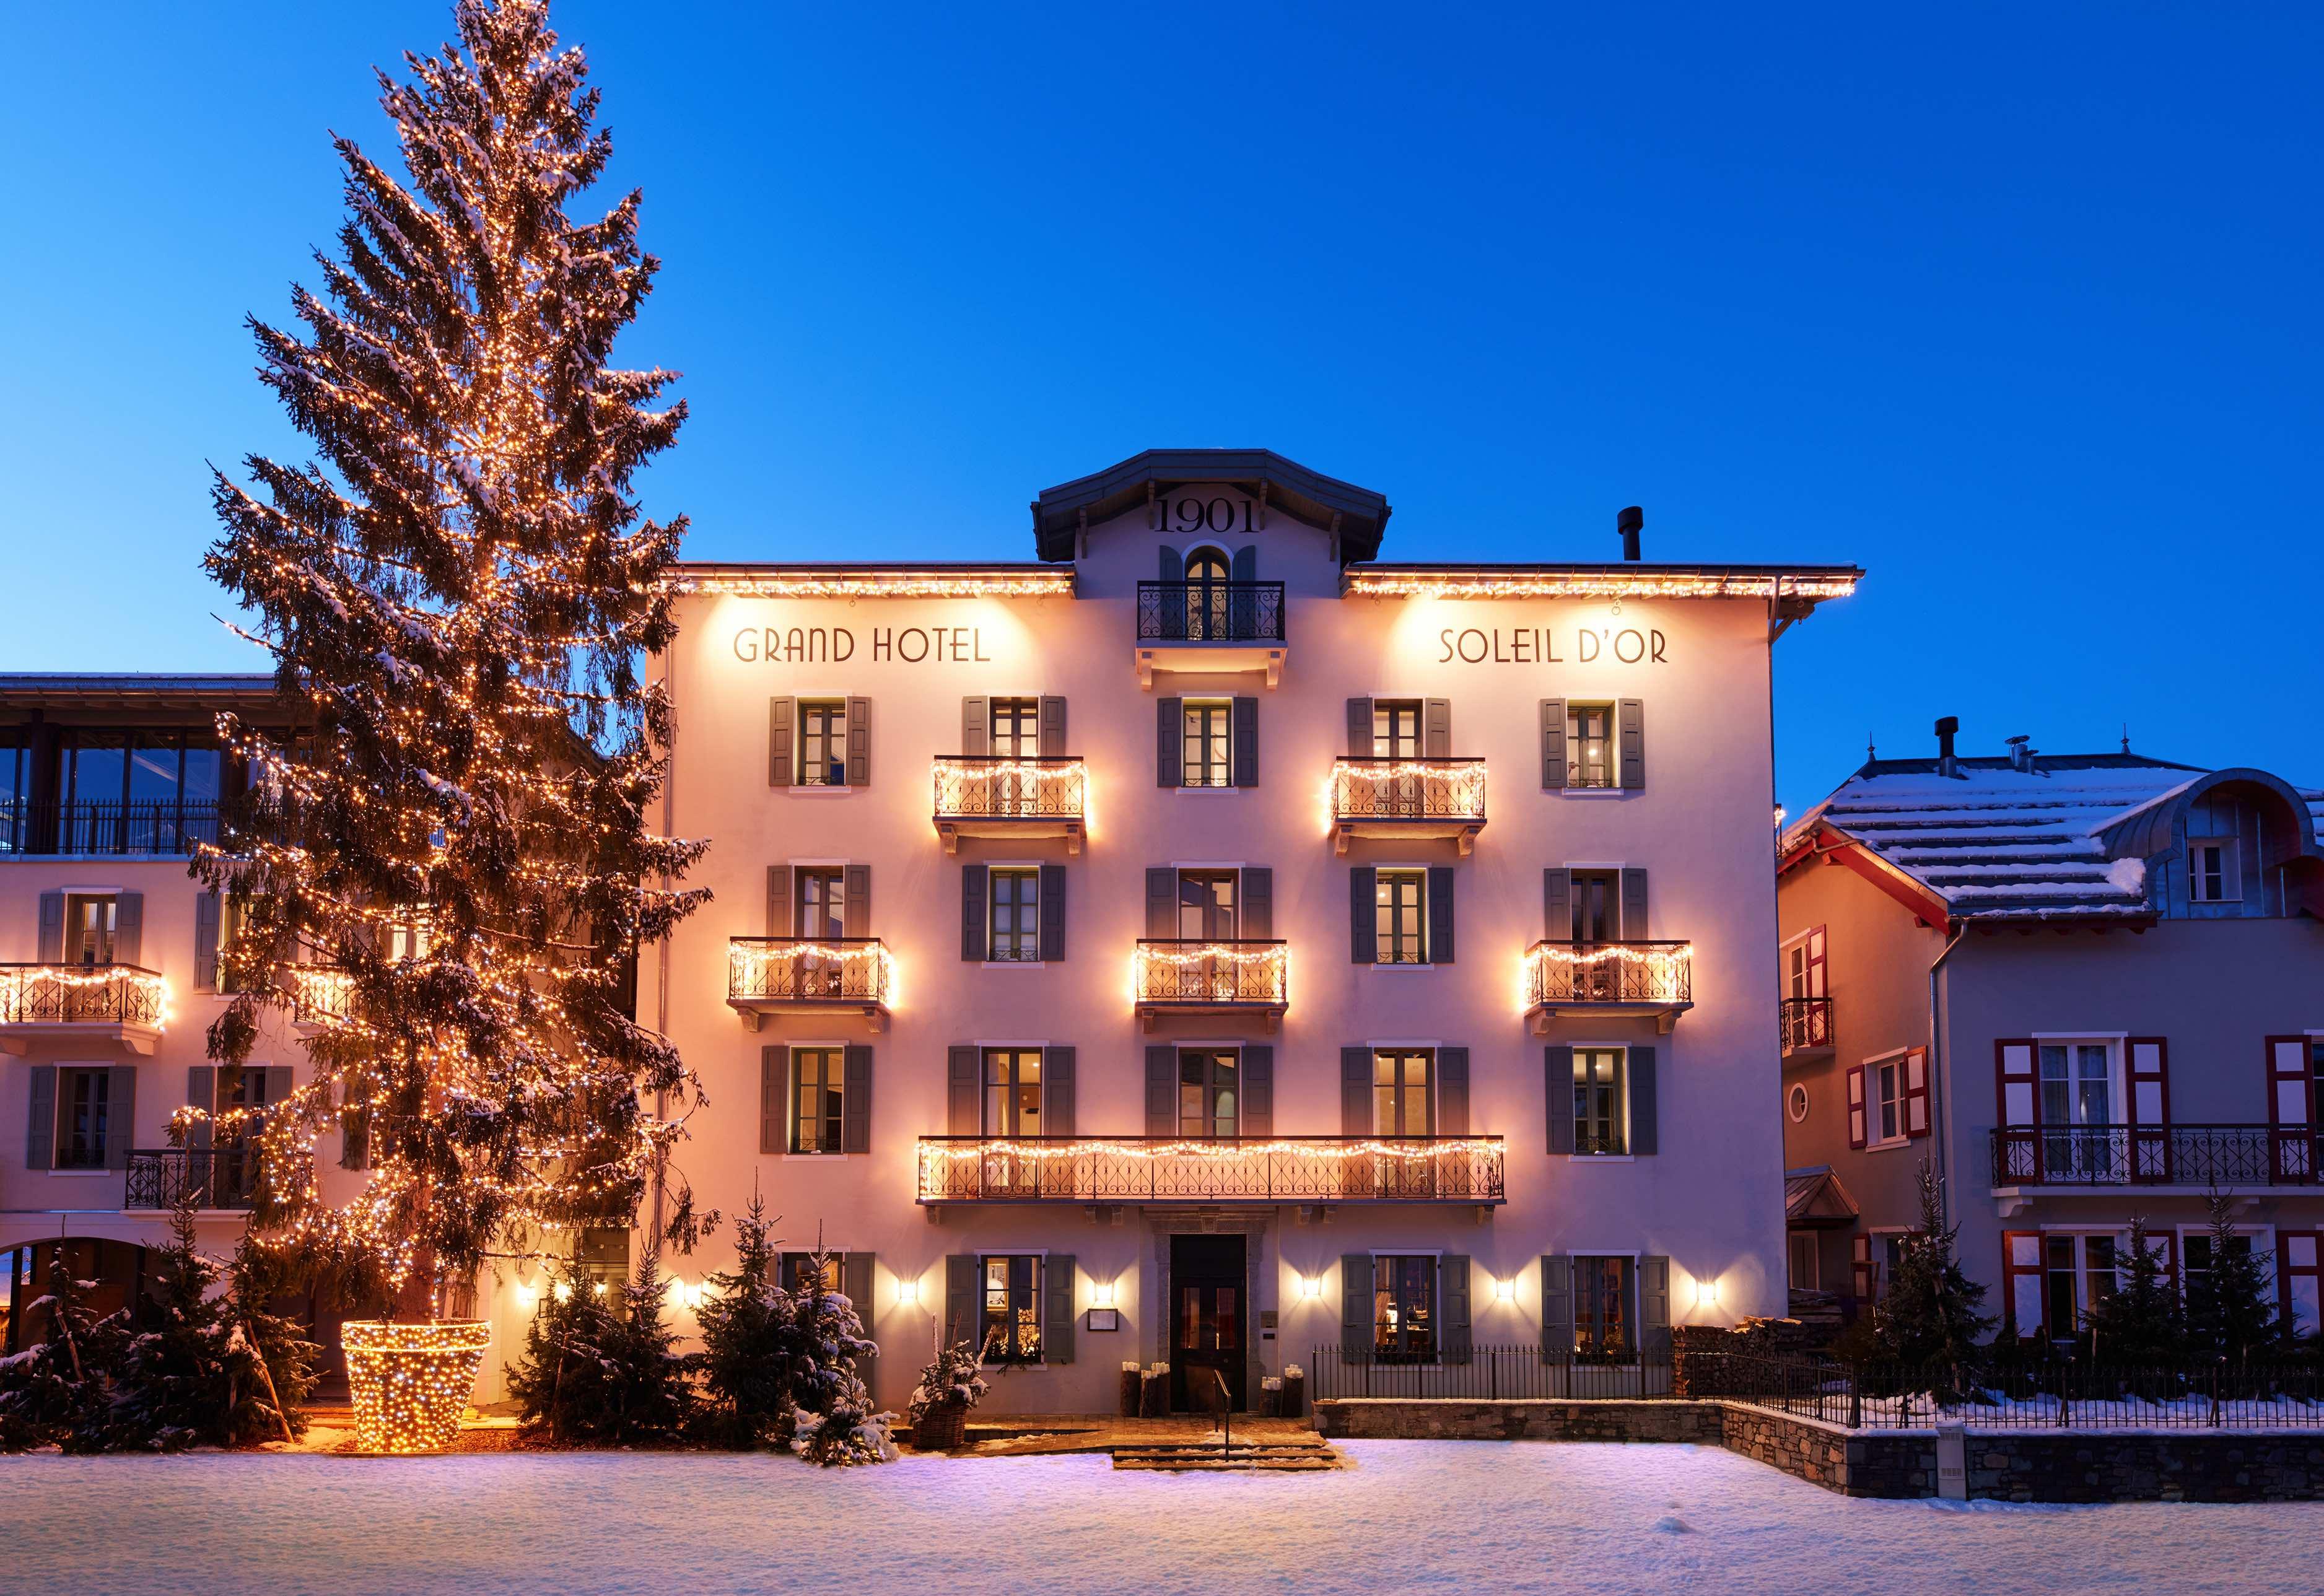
[601, 1364]
[54, 1385]
[1929, 1322]
[172, 1378]
[2232, 1313]
[832, 1419]
[2141, 1322]
[281, 1361]
[746, 1340]
[451, 870]
[653, 1395]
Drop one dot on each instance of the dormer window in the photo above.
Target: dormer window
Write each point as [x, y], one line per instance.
[2212, 873]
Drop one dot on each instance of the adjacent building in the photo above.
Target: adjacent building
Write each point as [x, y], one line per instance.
[1205, 942]
[2080, 987]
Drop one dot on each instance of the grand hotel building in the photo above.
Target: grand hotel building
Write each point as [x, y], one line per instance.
[1205, 942]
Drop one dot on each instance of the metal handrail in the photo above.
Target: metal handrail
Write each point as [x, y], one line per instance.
[148, 826]
[807, 969]
[1659, 971]
[1210, 611]
[219, 1177]
[1232, 1168]
[1804, 1023]
[2157, 1155]
[1211, 972]
[1011, 787]
[61, 993]
[1402, 788]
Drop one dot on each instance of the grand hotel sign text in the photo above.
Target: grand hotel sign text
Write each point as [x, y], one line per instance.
[777, 645]
[1539, 645]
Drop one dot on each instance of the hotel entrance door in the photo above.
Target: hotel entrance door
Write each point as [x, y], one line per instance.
[1207, 1313]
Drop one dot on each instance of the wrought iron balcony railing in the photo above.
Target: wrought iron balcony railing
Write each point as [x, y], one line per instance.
[320, 995]
[2157, 1155]
[226, 1177]
[1393, 790]
[1210, 611]
[1007, 787]
[83, 994]
[1188, 972]
[808, 971]
[1229, 1169]
[1804, 1024]
[153, 827]
[1559, 974]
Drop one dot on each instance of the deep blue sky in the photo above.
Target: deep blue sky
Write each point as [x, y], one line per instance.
[2016, 308]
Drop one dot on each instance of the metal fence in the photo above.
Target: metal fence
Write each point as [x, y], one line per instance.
[1461, 1373]
[148, 826]
[1609, 973]
[1257, 1169]
[223, 1177]
[1806, 1023]
[1210, 611]
[1408, 789]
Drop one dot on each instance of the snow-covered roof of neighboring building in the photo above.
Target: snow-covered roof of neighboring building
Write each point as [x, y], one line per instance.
[1996, 842]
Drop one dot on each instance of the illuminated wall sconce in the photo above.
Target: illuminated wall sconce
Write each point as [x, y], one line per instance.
[1100, 1294]
[1706, 1293]
[1505, 1289]
[1311, 1287]
[908, 1289]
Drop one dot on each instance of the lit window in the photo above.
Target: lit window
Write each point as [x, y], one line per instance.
[1404, 1308]
[89, 929]
[1012, 1092]
[1016, 727]
[1589, 745]
[1016, 910]
[1401, 1104]
[816, 1077]
[822, 743]
[1600, 1121]
[1401, 899]
[1012, 1309]
[1209, 1083]
[1603, 1313]
[1396, 728]
[1209, 740]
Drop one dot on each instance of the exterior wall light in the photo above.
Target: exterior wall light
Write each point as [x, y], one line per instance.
[1505, 1289]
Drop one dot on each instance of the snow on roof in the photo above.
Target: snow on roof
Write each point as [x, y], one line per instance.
[1997, 842]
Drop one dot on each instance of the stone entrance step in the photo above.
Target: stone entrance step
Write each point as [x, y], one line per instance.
[1186, 1457]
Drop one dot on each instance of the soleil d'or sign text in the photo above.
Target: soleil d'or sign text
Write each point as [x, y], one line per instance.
[781, 645]
[1541, 645]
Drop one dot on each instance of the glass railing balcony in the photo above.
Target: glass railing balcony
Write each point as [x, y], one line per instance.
[1223, 1169]
[1407, 798]
[1190, 975]
[1653, 978]
[1008, 795]
[809, 975]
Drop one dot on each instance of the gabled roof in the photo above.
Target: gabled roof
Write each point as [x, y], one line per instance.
[1360, 514]
[1996, 843]
[1814, 1196]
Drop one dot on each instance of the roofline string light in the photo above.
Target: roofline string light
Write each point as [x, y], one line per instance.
[900, 584]
[1583, 584]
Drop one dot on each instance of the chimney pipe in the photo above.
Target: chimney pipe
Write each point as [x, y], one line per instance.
[1628, 523]
[1946, 765]
[2021, 753]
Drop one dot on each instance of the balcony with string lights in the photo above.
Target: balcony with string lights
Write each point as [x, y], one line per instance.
[123, 1004]
[1258, 1169]
[1011, 796]
[809, 975]
[1408, 799]
[1189, 976]
[1608, 980]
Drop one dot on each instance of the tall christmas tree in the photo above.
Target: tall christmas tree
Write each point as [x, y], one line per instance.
[448, 871]
[1929, 1321]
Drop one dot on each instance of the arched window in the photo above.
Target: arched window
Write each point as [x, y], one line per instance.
[1207, 571]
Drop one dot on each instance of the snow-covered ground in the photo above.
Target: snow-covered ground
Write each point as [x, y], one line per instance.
[1410, 1514]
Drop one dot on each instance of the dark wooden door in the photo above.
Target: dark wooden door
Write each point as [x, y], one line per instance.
[1209, 1310]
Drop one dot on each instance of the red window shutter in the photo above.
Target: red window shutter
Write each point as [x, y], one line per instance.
[1916, 1092]
[2017, 1109]
[2149, 1068]
[2290, 1109]
[2021, 1282]
[1859, 1252]
[1856, 1120]
[2299, 1277]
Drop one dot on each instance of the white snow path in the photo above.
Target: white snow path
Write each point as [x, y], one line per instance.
[1410, 1515]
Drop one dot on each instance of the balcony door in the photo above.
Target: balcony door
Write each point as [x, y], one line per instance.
[2079, 1095]
[1016, 735]
[90, 925]
[1206, 596]
[1597, 918]
[1206, 905]
[1396, 736]
[1210, 1093]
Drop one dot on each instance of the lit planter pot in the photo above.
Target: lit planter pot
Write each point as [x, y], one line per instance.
[411, 1383]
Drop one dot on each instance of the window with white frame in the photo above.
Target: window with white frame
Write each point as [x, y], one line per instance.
[2212, 876]
[2078, 1274]
[1207, 749]
[1885, 1081]
[1589, 745]
[822, 743]
[1401, 1098]
[2079, 1094]
[1210, 1093]
[1012, 1092]
[1400, 898]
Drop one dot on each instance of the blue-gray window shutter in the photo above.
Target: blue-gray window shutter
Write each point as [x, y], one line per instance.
[120, 1114]
[1053, 724]
[1440, 914]
[1436, 728]
[1553, 743]
[1556, 1308]
[1355, 1307]
[1557, 905]
[201, 1093]
[1455, 1287]
[782, 718]
[855, 1099]
[41, 1119]
[1242, 566]
[975, 737]
[1631, 717]
[1655, 1306]
[1360, 728]
[960, 1299]
[1557, 1086]
[774, 1098]
[1242, 598]
[1246, 743]
[1058, 1308]
[1170, 616]
[973, 879]
[858, 743]
[1363, 913]
[779, 922]
[1169, 731]
[129, 928]
[49, 947]
[1161, 1090]
[1355, 1091]
[1256, 913]
[1633, 904]
[206, 942]
[1173, 567]
[1053, 913]
[1161, 903]
[1643, 1137]
[855, 914]
[1057, 1091]
[1452, 1092]
[1258, 1091]
[278, 1084]
[855, 1283]
[963, 1091]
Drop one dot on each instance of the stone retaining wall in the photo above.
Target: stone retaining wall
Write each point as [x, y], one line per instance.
[2090, 1466]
